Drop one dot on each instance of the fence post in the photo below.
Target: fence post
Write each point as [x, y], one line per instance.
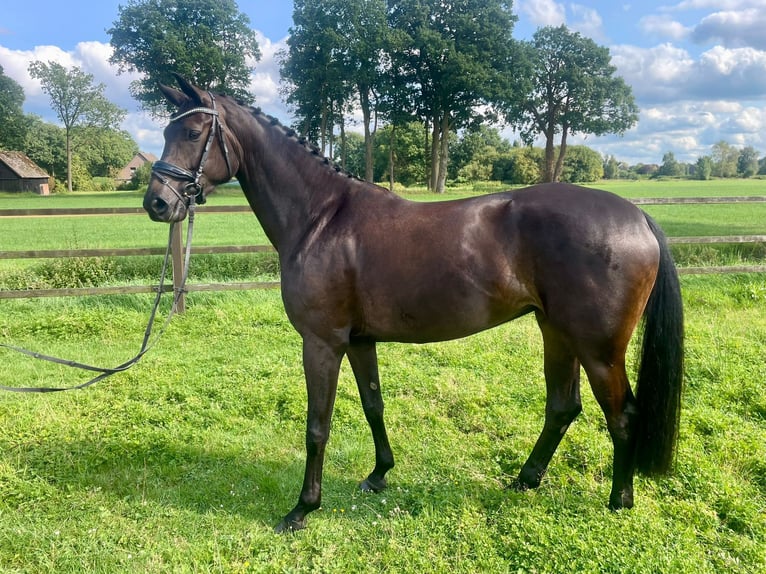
[177, 257]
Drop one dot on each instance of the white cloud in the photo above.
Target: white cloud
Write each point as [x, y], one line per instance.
[542, 12]
[733, 28]
[715, 5]
[663, 27]
[587, 21]
[93, 58]
[668, 73]
[264, 81]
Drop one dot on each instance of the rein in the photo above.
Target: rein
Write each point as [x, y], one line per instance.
[147, 343]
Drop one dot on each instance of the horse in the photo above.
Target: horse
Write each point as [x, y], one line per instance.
[362, 265]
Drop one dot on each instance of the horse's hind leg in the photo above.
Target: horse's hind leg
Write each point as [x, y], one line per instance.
[562, 380]
[364, 362]
[609, 382]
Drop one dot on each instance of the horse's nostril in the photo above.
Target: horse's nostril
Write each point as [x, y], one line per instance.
[159, 205]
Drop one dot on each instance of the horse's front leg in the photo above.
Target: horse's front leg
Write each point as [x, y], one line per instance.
[364, 362]
[321, 363]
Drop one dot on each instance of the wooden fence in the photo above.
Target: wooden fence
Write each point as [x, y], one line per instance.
[177, 249]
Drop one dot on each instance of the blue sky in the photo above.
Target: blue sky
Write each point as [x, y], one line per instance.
[697, 67]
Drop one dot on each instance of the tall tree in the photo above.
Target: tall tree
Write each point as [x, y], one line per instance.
[11, 113]
[567, 86]
[453, 55]
[747, 163]
[78, 103]
[209, 42]
[365, 33]
[315, 83]
[725, 158]
[45, 144]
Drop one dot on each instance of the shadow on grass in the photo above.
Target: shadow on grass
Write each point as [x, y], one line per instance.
[259, 487]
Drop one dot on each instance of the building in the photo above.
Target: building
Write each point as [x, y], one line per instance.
[19, 173]
[125, 175]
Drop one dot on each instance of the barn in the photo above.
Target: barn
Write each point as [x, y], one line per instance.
[126, 173]
[19, 173]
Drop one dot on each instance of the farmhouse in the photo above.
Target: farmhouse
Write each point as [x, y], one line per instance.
[126, 173]
[19, 173]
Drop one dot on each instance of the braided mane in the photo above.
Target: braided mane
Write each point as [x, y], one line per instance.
[302, 141]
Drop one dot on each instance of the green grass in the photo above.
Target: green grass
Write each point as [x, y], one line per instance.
[186, 462]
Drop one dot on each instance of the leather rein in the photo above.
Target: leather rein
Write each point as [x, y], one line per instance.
[192, 194]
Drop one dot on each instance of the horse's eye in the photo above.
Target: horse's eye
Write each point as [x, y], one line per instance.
[194, 135]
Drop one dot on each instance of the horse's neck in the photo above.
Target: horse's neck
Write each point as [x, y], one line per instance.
[286, 185]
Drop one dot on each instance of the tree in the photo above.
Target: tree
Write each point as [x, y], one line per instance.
[724, 158]
[11, 113]
[611, 168]
[78, 103]
[747, 162]
[704, 168]
[452, 55]
[45, 144]
[520, 166]
[316, 84]
[209, 42]
[365, 33]
[565, 84]
[582, 165]
[399, 154]
[670, 166]
[105, 151]
[474, 146]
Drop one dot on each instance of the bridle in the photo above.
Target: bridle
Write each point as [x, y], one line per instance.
[193, 190]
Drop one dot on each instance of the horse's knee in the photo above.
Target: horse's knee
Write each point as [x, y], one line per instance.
[316, 440]
[563, 416]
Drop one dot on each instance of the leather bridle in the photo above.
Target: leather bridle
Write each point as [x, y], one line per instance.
[193, 188]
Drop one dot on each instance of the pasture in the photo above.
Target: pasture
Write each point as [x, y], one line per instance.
[186, 462]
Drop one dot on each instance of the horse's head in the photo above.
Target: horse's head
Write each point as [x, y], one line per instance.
[195, 158]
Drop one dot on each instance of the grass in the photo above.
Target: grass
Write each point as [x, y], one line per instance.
[186, 462]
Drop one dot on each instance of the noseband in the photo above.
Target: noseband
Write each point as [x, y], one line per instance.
[193, 190]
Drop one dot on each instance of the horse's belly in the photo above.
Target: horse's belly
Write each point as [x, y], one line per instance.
[439, 316]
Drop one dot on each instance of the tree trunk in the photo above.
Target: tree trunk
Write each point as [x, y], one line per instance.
[68, 160]
[391, 157]
[441, 181]
[364, 100]
[434, 177]
[323, 130]
[343, 150]
[562, 151]
[549, 170]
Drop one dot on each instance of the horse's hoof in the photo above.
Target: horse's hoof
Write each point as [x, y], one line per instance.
[520, 485]
[288, 526]
[373, 485]
[622, 501]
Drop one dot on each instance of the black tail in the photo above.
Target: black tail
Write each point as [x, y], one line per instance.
[660, 374]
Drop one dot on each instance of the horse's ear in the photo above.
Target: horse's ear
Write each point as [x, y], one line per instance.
[174, 96]
[193, 92]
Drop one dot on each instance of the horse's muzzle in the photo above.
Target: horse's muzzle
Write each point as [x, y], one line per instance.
[165, 210]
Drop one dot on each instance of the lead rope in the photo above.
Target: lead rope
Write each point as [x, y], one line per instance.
[146, 345]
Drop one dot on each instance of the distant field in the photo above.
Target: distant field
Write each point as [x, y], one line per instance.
[243, 229]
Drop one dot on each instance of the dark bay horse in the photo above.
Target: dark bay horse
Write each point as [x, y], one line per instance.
[361, 265]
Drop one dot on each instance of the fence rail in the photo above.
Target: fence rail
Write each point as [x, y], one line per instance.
[235, 249]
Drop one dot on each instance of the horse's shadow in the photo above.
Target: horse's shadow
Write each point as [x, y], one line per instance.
[258, 488]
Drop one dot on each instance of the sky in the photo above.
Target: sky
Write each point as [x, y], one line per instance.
[697, 68]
